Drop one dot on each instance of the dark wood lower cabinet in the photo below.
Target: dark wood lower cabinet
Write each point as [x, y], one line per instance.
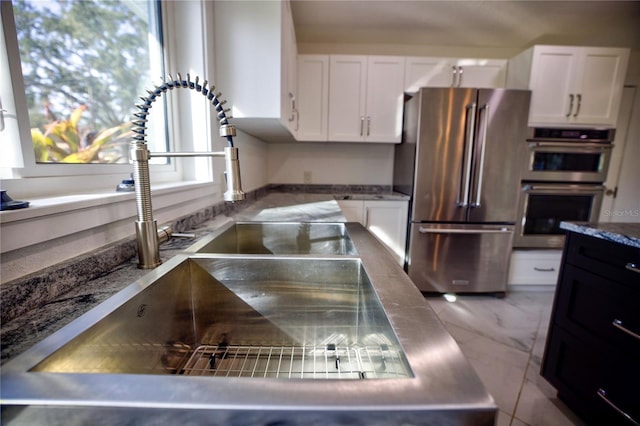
[592, 353]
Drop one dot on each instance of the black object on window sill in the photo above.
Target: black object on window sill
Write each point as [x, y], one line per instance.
[127, 185]
[9, 204]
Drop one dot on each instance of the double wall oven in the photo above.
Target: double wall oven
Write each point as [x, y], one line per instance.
[562, 180]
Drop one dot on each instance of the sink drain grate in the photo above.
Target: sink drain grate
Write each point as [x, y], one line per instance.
[297, 362]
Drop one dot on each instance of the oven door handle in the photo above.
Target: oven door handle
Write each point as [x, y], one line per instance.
[571, 146]
[553, 189]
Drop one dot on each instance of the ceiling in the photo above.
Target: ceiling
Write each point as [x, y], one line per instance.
[477, 23]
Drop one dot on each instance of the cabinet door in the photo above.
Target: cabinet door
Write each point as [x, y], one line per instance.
[482, 73]
[313, 97]
[427, 72]
[288, 93]
[384, 99]
[347, 96]
[601, 79]
[552, 84]
[387, 220]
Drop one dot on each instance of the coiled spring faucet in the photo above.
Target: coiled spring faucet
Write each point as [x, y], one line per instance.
[147, 234]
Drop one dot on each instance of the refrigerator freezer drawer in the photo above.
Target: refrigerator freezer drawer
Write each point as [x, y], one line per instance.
[460, 258]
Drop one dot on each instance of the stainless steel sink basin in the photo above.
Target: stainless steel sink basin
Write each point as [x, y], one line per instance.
[280, 238]
[273, 317]
[253, 339]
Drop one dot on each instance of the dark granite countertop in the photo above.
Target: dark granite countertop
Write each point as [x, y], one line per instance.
[623, 233]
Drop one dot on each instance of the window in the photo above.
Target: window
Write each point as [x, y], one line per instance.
[84, 64]
[77, 70]
[187, 47]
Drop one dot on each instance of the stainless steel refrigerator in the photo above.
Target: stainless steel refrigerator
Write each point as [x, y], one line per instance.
[460, 161]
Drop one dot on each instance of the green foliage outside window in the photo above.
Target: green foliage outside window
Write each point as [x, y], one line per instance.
[84, 64]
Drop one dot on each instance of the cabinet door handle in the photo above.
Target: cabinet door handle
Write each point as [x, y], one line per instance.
[536, 268]
[631, 266]
[292, 100]
[618, 324]
[460, 71]
[603, 395]
[368, 125]
[570, 105]
[454, 70]
[361, 125]
[2, 111]
[579, 96]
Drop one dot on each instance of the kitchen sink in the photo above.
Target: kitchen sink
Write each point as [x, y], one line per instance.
[268, 318]
[254, 339]
[280, 238]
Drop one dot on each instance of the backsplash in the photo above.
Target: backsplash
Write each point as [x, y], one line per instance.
[31, 291]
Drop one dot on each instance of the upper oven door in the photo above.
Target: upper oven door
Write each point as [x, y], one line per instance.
[567, 162]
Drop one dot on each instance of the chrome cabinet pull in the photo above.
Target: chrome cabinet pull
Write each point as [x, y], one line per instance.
[454, 75]
[579, 96]
[368, 125]
[292, 100]
[2, 111]
[361, 125]
[570, 105]
[603, 395]
[535, 268]
[460, 71]
[631, 266]
[618, 324]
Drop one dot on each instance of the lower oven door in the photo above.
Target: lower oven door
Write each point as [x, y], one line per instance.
[447, 258]
[543, 206]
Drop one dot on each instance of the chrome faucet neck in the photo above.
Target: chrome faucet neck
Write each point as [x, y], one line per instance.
[146, 226]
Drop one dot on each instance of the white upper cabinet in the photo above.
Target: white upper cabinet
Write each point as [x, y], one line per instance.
[313, 97]
[571, 85]
[255, 56]
[453, 72]
[365, 98]
[289, 92]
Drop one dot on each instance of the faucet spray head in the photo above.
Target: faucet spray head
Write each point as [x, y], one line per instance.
[232, 175]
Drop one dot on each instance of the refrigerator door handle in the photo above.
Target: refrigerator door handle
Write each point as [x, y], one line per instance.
[423, 230]
[465, 173]
[485, 124]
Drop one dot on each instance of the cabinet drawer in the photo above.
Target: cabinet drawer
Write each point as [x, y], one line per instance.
[534, 267]
[584, 373]
[596, 307]
[604, 258]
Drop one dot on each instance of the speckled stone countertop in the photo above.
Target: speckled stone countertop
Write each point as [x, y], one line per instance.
[623, 233]
[26, 329]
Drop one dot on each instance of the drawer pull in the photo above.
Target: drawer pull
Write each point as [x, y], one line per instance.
[633, 267]
[603, 395]
[618, 324]
[535, 268]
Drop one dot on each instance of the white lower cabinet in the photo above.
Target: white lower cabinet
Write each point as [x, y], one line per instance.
[387, 220]
[534, 267]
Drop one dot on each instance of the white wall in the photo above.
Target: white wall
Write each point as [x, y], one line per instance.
[331, 163]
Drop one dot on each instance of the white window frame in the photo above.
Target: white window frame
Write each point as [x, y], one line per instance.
[183, 23]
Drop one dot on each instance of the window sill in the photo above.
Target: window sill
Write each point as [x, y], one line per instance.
[49, 218]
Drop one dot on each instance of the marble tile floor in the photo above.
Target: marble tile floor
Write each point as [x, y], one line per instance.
[504, 340]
